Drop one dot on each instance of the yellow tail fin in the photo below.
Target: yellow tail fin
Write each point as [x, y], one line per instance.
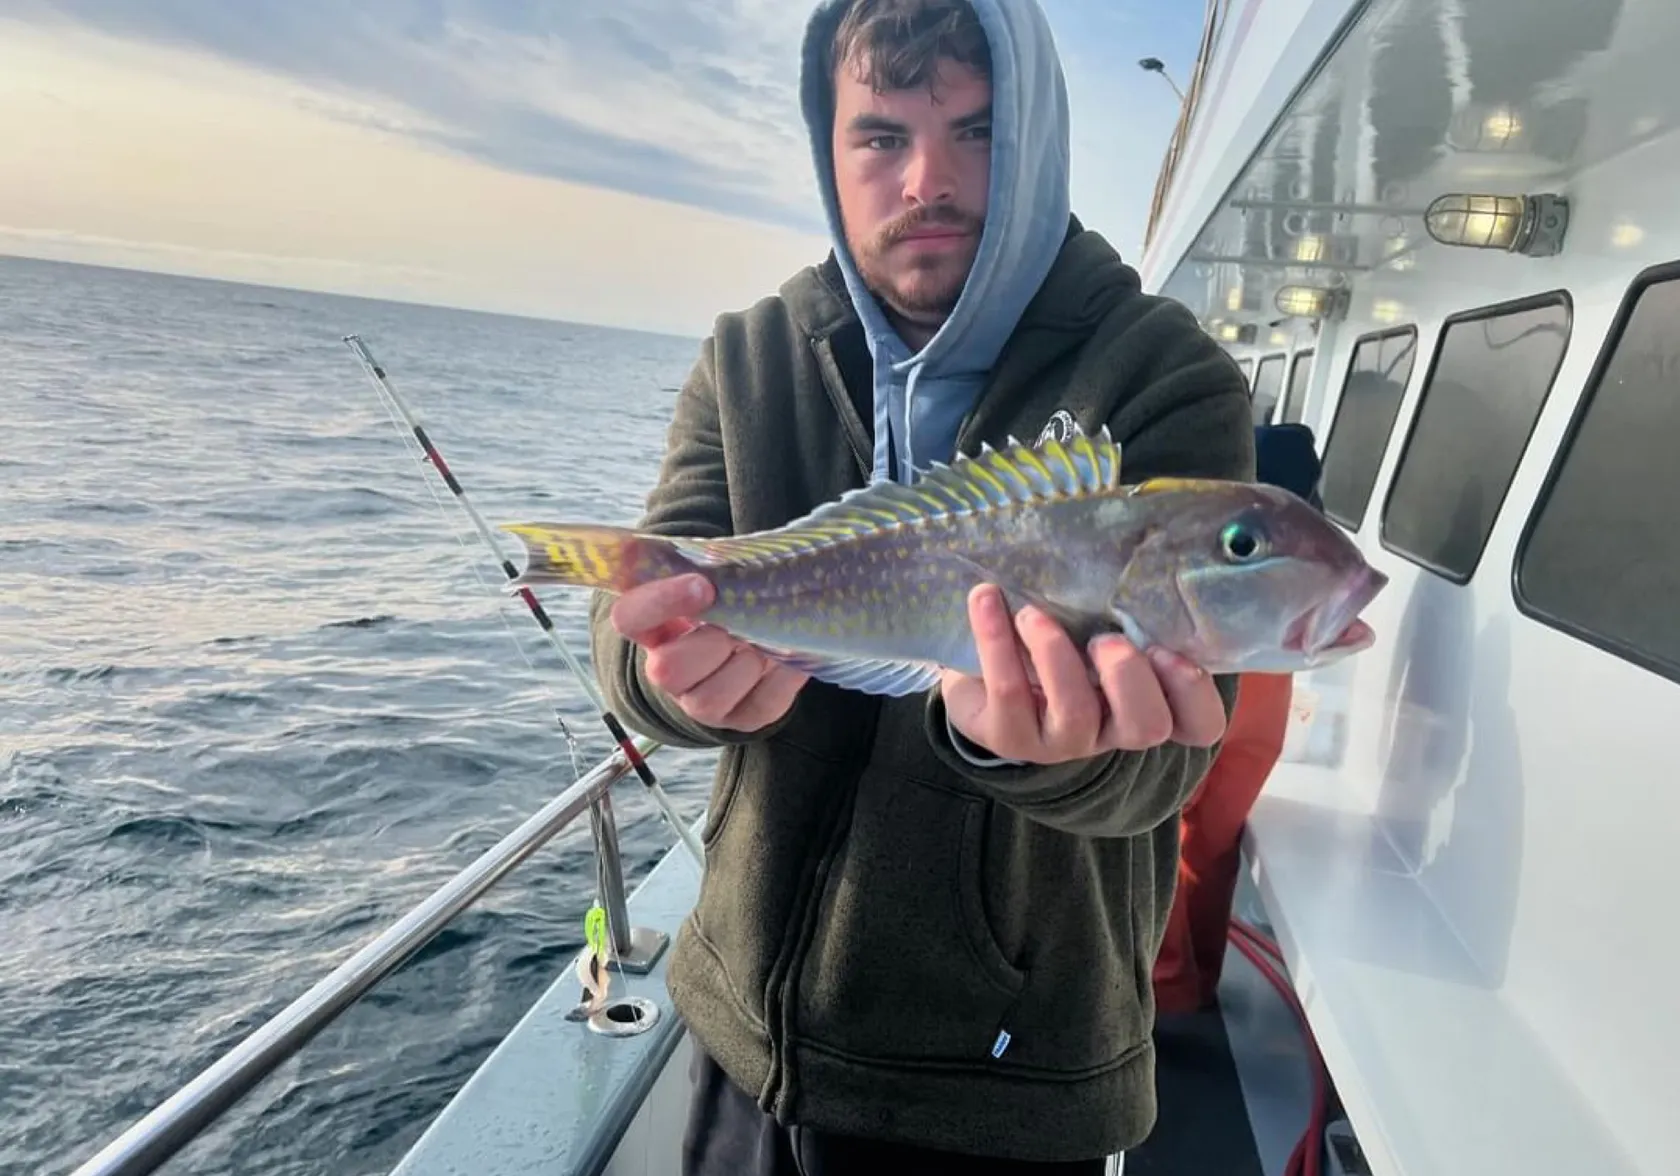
[583, 555]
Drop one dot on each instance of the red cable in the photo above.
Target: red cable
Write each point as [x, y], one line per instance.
[1305, 1160]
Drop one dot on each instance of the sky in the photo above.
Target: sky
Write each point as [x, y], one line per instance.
[635, 163]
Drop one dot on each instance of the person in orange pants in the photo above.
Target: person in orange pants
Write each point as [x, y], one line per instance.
[1192, 953]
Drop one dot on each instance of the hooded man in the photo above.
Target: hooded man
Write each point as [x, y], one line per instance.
[926, 926]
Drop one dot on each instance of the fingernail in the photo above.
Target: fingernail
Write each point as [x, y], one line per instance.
[695, 589]
[1168, 662]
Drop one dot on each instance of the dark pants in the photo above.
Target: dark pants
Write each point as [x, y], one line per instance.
[729, 1136]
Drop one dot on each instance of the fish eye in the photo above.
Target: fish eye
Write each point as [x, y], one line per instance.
[1241, 542]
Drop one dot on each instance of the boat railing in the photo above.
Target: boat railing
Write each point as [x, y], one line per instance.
[174, 1123]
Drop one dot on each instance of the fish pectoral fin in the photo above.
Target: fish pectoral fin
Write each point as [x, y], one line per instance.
[867, 675]
[1018, 595]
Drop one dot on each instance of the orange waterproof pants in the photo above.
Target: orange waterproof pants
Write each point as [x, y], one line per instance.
[1193, 953]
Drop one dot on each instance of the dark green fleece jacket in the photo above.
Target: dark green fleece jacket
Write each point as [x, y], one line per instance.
[889, 940]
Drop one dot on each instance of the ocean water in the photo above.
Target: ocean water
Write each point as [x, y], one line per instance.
[259, 694]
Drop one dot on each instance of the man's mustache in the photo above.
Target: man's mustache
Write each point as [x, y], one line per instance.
[925, 215]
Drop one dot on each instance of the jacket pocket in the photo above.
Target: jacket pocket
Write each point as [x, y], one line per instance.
[732, 758]
[971, 886]
[775, 801]
[1073, 912]
[901, 962]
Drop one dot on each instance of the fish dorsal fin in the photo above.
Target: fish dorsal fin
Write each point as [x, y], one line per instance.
[1015, 474]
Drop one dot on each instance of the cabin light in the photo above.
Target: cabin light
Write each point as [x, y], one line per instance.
[1530, 225]
[1501, 127]
[1279, 339]
[1478, 128]
[1386, 310]
[1626, 236]
[1233, 300]
[1302, 301]
[1311, 302]
[1227, 332]
[1309, 248]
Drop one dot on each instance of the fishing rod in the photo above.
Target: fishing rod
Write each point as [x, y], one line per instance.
[621, 738]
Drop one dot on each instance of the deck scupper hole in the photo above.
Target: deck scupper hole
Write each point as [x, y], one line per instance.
[625, 1016]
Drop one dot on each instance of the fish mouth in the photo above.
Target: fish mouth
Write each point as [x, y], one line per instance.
[1333, 629]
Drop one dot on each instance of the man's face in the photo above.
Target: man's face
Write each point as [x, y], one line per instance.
[911, 169]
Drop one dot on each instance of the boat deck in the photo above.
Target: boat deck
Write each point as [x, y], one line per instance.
[555, 1098]
[1233, 1084]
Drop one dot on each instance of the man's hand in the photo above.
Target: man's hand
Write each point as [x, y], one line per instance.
[1143, 700]
[716, 680]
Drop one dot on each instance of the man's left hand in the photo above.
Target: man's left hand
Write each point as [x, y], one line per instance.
[1140, 701]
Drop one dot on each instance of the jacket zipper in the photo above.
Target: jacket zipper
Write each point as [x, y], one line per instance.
[835, 385]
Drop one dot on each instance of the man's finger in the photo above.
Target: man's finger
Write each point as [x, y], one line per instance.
[1011, 710]
[1198, 711]
[767, 701]
[713, 697]
[681, 665]
[644, 608]
[1073, 711]
[1139, 714]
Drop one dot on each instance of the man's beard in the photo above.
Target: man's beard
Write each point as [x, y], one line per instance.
[924, 287]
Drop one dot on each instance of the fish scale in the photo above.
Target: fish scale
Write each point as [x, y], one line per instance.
[870, 591]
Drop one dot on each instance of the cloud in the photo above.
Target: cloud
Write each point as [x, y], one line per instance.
[128, 152]
[692, 101]
[632, 162]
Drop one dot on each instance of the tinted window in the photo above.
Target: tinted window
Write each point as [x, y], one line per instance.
[1364, 417]
[1268, 382]
[1602, 557]
[1295, 401]
[1474, 417]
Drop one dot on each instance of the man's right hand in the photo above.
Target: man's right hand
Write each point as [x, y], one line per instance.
[716, 680]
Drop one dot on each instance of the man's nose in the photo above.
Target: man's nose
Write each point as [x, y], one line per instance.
[931, 175]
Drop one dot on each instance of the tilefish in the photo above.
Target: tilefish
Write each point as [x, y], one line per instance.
[870, 591]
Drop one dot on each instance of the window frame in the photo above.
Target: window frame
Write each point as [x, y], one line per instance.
[1376, 336]
[1306, 355]
[1661, 274]
[1559, 296]
[1283, 381]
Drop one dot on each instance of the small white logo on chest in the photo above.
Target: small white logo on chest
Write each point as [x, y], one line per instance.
[1061, 428]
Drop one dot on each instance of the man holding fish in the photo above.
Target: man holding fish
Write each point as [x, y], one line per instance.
[954, 739]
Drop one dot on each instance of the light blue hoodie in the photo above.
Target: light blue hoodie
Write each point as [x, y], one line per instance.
[921, 398]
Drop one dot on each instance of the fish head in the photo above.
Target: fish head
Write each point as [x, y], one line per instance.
[1242, 577]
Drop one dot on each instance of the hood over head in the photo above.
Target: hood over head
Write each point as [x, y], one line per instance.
[920, 398]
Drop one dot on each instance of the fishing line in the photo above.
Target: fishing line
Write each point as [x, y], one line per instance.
[411, 428]
[599, 929]
[501, 616]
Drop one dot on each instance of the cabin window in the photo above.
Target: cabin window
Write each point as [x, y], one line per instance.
[1268, 383]
[1295, 400]
[1601, 556]
[1475, 414]
[1247, 366]
[1370, 400]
